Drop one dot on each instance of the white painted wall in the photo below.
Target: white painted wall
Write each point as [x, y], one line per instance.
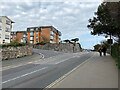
[3, 32]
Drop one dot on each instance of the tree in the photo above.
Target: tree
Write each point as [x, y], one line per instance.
[67, 41]
[106, 20]
[96, 47]
[75, 40]
[105, 43]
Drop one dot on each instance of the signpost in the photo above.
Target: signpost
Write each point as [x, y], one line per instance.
[110, 41]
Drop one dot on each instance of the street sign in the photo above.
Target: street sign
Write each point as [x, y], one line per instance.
[110, 41]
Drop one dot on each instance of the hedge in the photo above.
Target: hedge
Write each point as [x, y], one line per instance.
[14, 44]
[116, 54]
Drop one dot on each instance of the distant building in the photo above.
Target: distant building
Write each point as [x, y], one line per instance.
[37, 34]
[20, 36]
[5, 29]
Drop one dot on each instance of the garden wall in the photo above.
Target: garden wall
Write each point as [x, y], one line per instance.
[15, 52]
[62, 47]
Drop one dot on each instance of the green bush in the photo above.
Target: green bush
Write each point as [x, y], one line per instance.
[116, 54]
[14, 44]
[41, 43]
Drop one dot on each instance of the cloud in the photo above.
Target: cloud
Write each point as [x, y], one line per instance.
[70, 18]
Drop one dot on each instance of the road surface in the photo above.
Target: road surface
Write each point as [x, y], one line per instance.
[42, 72]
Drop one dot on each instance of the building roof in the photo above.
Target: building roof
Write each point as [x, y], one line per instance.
[15, 32]
[52, 28]
[8, 18]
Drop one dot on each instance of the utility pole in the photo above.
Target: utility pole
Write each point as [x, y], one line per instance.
[110, 45]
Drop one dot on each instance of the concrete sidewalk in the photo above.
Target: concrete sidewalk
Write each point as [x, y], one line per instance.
[97, 72]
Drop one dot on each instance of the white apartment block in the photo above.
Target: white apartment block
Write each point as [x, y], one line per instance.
[5, 29]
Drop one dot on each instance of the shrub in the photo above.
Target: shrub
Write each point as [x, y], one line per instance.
[41, 43]
[116, 54]
[14, 44]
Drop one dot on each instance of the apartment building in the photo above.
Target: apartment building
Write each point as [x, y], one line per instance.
[37, 34]
[20, 36]
[5, 29]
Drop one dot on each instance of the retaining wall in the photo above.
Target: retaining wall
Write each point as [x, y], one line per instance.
[15, 52]
[63, 47]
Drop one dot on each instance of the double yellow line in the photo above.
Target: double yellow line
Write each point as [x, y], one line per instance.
[65, 75]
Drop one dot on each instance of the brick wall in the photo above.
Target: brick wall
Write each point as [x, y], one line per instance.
[45, 34]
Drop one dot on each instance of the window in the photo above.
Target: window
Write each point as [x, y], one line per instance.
[36, 28]
[37, 37]
[54, 38]
[31, 33]
[51, 37]
[37, 33]
[24, 35]
[32, 29]
[7, 29]
[7, 22]
[51, 32]
[21, 40]
[0, 35]
[31, 41]
[31, 38]
[0, 28]
[36, 41]
[6, 36]
[24, 40]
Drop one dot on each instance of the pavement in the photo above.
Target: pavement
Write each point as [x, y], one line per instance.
[97, 72]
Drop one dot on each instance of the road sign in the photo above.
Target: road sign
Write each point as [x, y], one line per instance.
[110, 41]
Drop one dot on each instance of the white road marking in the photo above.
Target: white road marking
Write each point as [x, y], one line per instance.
[12, 66]
[24, 75]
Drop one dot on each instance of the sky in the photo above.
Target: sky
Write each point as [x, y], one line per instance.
[70, 18]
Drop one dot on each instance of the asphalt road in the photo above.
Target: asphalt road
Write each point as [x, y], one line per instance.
[42, 73]
[47, 53]
[35, 56]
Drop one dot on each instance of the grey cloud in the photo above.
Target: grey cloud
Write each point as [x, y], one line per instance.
[70, 18]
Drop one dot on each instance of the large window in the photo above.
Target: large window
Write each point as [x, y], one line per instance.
[31, 33]
[6, 36]
[24, 35]
[31, 38]
[7, 29]
[32, 29]
[7, 22]
[51, 33]
[51, 37]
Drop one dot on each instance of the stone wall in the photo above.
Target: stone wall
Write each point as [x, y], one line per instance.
[63, 47]
[15, 52]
